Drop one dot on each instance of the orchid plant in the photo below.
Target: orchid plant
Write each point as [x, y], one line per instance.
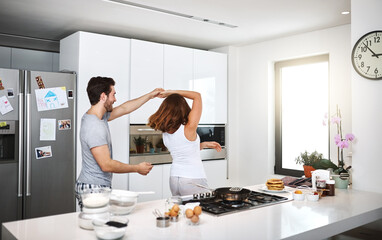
[340, 140]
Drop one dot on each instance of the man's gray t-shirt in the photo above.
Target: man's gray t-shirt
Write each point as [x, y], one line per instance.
[94, 132]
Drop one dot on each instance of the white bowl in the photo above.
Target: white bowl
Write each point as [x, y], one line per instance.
[122, 202]
[312, 197]
[298, 197]
[95, 198]
[104, 231]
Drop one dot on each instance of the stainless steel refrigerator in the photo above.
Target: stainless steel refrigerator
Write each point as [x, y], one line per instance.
[37, 143]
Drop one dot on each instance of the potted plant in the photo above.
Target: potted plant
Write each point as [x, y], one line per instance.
[140, 144]
[160, 146]
[342, 141]
[151, 146]
[308, 160]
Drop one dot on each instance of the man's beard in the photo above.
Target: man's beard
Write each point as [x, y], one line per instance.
[108, 106]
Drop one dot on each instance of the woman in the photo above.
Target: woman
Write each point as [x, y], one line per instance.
[179, 123]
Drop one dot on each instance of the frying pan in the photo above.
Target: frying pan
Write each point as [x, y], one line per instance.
[229, 194]
[232, 194]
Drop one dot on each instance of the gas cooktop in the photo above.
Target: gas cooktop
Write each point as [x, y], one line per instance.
[218, 207]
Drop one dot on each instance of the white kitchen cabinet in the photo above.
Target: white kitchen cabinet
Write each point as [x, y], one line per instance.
[91, 55]
[146, 75]
[166, 181]
[178, 68]
[210, 79]
[151, 182]
[216, 171]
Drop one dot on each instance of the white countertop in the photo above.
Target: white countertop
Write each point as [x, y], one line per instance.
[289, 220]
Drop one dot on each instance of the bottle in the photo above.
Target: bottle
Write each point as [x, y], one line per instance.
[330, 187]
[321, 184]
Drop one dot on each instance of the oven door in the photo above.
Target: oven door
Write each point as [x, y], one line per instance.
[215, 133]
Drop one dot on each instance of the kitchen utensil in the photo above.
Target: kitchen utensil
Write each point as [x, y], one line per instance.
[95, 198]
[112, 228]
[228, 193]
[163, 222]
[157, 213]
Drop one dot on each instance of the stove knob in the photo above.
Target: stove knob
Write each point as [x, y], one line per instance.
[201, 195]
[195, 196]
[208, 195]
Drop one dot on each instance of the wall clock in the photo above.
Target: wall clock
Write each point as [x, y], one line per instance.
[367, 55]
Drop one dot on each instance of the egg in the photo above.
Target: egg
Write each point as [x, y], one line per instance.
[173, 213]
[298, 192]
[189, 213]
[197, 210]
[194, 219]
[175, 207]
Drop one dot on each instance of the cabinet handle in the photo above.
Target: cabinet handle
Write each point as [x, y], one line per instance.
[145, 130]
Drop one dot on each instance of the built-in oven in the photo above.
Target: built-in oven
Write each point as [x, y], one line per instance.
[146, 144]
[215, 133]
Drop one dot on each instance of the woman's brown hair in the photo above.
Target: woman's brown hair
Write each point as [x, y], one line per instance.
[173, 112]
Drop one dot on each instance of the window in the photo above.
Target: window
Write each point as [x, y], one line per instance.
[302, 99]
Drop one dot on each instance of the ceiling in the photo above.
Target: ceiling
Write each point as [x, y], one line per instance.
[256, 20]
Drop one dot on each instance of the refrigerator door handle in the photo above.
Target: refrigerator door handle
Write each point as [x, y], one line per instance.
[21, 145]
[28, 147]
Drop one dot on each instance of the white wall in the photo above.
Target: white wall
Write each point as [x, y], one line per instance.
[366, 104]
[251, 100]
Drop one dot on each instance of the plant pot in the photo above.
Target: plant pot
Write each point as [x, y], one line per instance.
[340, 183]
[152, 150]
[140, 148]
[308, 171]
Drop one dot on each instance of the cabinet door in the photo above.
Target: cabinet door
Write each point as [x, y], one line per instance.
[150, 182]
[178, 71]
[210, 79]
[146, 75]
[166, 181]
[216, 171]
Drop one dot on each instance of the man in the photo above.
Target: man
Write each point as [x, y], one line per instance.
[97, 157]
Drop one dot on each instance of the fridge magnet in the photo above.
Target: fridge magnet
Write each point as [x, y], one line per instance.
[64, 124]
[1, 85]
[10, 92]
[43, 152]
[5, 105]
[47, 129]
[51, 98]
[70, 94]
[40, 83]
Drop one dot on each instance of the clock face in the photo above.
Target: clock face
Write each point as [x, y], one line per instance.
[367, 55]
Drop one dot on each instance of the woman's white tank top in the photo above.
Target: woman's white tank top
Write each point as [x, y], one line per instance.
[186, 161]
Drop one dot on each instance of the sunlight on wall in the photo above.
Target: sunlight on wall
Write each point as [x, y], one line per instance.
[304, 103]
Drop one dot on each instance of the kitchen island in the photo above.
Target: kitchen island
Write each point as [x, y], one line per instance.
[289, 220]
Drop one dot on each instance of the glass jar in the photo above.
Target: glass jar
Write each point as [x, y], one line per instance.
[330, 187]
[86, 217]
[321, 184]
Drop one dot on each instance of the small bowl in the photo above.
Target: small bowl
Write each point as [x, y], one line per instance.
[298, 196]
[174, 219]
[104, 231]
[122, 202]
[95, 198]
[312, 197]
[163, 222]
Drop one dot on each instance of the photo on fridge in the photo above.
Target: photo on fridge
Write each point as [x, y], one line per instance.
[43, 152]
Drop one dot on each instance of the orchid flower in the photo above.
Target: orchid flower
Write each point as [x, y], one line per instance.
[349, 137]
[336, 120]
[337, 139]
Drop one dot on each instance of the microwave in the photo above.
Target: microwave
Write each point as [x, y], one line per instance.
[214, 133]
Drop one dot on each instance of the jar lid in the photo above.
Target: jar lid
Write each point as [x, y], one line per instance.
[95, 210]
[330, 181]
